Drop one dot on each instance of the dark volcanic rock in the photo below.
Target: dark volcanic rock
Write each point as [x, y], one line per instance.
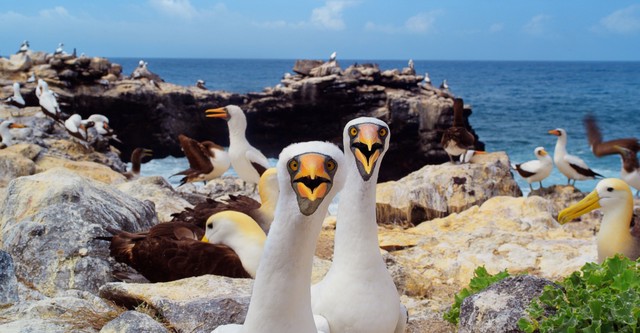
[8, 281]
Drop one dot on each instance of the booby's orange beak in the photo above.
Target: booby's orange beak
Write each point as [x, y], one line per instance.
[367, 145]
[217, 113]
[589, 203]
[16, 125]
[311, 179]
[555, 132]
[543, 152]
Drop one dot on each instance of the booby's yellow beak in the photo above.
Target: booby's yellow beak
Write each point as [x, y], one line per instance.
[16, 125]
[367, 144]
[543, 152]
[205, 239]
[589, 203]
[217, 113]
[555, 132]
[311, 179]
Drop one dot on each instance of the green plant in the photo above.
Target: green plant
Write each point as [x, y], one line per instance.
[598, 298]
[481, 280]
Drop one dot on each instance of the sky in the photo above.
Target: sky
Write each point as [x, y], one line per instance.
[355, 29]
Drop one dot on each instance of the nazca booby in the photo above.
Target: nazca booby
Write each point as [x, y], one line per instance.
[343, 298]
[262, 212]
[536, 170]
[456, 140]
[77, 128]
[5, 132]
[207, 160]
[24, 47]
[230, 245]
[136, 159]
[48, 102]
[310, 174]
[571, 166]
[16, 100]
[601, 148]
[248, 162]
[613, 197]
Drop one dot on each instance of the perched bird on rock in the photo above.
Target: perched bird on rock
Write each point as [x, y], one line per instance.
[536, 170]
[456, 140]
[136, 160]
[573, 167]
[16, 100]
[48, 102]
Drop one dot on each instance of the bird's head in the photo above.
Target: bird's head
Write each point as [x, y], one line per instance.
[367, 139]
[609, 194]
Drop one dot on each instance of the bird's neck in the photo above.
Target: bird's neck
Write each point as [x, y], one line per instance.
[614, 235]
[268, 202]
[356, 239]
[237, 131]
[561, 147]
[249, 250]
[5, 133]
[282, 282]
[135, 165]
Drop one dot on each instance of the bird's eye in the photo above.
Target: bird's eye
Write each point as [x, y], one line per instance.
[353, 131]
[609, 189]
[210, 225]
[331, 165]
[383, 132]
[293, 165]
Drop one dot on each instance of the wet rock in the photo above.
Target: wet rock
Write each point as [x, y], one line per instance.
[439, 190]
[50, 217]
[133, 322]
[498, 308]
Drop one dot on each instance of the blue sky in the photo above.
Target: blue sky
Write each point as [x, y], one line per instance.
[355, 29]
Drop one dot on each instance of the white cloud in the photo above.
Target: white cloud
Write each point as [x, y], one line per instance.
[55, 12]
[329, 16]
[420, 23]
[496, 27]
[622, 21]
[179, 8]
[537, 25]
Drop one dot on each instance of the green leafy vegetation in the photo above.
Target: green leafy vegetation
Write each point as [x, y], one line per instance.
[481, 280]
[598, 298]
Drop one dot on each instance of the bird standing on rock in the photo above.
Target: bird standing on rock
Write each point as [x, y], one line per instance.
[573, 167]
[248, 162]
[456, 140]
[536, 170]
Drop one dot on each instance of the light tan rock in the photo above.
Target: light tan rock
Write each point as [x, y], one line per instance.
[91, 170]
[160, 192]
[439, 190]
[17, 161]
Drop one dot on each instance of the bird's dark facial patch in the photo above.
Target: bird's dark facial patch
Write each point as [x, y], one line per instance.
[367, 143]
[311, 179]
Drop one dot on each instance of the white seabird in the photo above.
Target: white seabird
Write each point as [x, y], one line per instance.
[5, 132]
[24, 47]
[536, 170]
[77, 128]
[358, 293]
[333, 56]
[410, 64]
[469, 155]
[571, 166]
[444, 85]
[248, 162]
[59, 49]
[310, 174]
[48, 102]
[16, 100]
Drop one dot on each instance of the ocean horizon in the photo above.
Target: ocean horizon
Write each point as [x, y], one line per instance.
[514, 103]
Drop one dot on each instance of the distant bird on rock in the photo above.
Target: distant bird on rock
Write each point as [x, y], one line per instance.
[201, 84]
[536, 170]
[444, 85]
[456, 140]
[136, 160]
[48, 102]
[24, 47]
[5, 132]
[16, 100]
[427, 79]
[59, 50]
[333, 56]
[410, 64]
[573, 167]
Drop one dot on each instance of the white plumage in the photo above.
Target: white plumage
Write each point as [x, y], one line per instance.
[536, 170]
[571, 166]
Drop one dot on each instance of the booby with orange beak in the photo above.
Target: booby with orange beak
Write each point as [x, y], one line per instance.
[310, 174]
[248, 162]
[343, 298]
[5, 132]
[77, 128]
[571, 166]
[207, 160]
[613, 197]
[536, 170]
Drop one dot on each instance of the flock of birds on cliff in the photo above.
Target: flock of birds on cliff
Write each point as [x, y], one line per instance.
[273, 240]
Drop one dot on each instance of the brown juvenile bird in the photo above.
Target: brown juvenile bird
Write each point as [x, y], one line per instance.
[230, 245]
[136, 159]
[206, 159]
[456, 140]
[601, 148]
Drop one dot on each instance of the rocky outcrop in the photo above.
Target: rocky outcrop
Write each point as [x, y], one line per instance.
[498, 308]
[313, 104]
[156, 189]
[49, 223]
[439, 190]
[133, 322]
[8, 281]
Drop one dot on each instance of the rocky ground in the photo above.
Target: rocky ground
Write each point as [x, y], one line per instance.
[436, 225]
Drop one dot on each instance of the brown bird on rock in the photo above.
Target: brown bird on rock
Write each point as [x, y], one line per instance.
[456, 140]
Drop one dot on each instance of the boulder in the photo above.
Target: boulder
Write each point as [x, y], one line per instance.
[17, 161]
[304, 67]
[439, 190]
[157, 190]
[91, 170]
[49, 223]
[8, 281]
[498, 308]
[133, 322]
[518, 234]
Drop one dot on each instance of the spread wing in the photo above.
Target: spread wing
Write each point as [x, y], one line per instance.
[197, 154]
[600, 148]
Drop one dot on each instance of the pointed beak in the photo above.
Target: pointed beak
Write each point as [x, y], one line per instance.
[554, 132]
[16, 125]
[205, 239]
[367, 148]
[312, 180]
[217, 113]
[589, 203]
[544, 153]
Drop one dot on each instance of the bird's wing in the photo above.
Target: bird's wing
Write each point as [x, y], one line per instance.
[528, 169]
[199, 214]
[197, 154]
[258, 160]
[580, 166]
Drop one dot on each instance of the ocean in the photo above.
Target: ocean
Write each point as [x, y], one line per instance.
[515, 103]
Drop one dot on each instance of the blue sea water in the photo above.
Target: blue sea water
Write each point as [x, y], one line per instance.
[514, 103]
